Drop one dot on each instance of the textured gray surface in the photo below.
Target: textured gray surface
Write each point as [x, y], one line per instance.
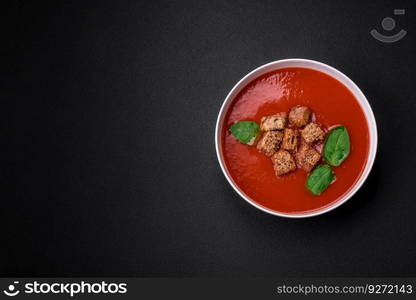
[110, 166]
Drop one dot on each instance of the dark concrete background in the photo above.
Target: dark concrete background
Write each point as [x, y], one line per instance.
[109, 165]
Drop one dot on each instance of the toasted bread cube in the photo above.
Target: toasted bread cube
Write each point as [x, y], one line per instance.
[299, 116]
[275, 122]
[283, 162]
[290, 139]
[307, 157]
[270, 142]
[312, 133]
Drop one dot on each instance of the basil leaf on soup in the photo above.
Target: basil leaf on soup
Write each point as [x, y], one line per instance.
[337, 146]
[319, 179]
[245, 131]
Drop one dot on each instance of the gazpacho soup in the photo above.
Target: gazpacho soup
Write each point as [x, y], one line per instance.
[295, 140]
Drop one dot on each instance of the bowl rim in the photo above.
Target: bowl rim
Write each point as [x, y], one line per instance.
[331, 71]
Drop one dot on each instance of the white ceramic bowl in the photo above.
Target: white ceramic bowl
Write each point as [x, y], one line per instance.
[315, 65]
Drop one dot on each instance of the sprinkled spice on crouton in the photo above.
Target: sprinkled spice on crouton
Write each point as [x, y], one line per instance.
[283, 162]
[307, 157]
[299, 116]
[275, 122]
[270, 142]
[290, 139]
[312, 133]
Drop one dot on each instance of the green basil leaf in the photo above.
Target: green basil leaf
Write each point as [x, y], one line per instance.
[337, 146]
[245, 131]
[319, 179]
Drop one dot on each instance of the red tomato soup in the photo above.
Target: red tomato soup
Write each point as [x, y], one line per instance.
[277, 91]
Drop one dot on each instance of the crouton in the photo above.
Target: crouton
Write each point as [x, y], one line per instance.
[270, 142]
[290, 139]
[307, 157]
[299, 116]
[283, 162]
[275, 122]
[312, 133]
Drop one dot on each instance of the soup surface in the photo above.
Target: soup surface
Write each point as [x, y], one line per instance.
[332, 103]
